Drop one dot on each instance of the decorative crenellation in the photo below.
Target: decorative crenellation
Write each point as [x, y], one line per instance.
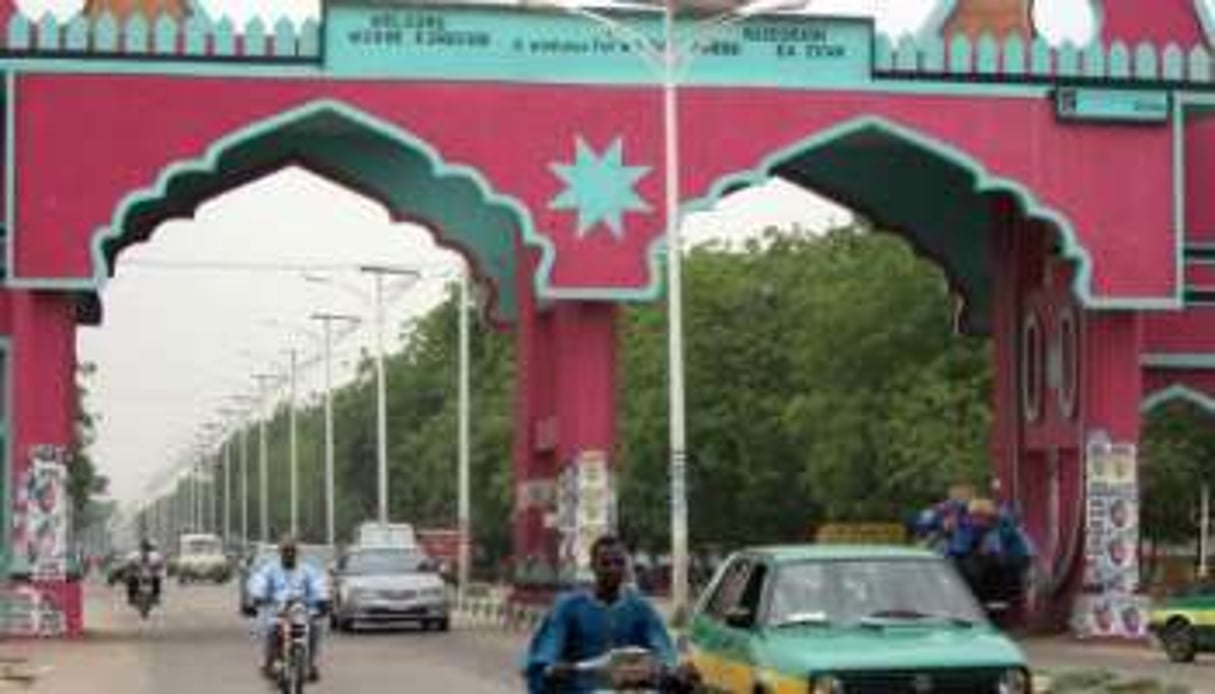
[193, 37]
[1015, 59]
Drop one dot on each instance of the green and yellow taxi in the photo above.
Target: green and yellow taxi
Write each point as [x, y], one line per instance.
[1184, 624]
[833, 619]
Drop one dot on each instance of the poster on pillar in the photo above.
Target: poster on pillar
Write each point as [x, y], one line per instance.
[40, 516]
[1111, 519]
[586, 511]
[1110, 607]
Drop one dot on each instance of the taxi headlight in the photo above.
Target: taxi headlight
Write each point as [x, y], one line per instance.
[827, 685]
[1015, 681]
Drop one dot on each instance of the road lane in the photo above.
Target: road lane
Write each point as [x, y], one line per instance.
[199, 645]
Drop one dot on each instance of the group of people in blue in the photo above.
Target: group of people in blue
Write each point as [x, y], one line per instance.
[985, 539]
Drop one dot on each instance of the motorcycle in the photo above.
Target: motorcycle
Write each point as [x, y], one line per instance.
[633, 670]
[145, 591]
[293, 632]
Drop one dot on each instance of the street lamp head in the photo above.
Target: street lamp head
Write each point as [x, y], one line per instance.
[390, 270]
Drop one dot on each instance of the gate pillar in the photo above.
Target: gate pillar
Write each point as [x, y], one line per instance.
[1063, 375]
[42, 330]
[565, 421]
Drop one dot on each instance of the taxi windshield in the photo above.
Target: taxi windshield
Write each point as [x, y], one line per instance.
[852, 592]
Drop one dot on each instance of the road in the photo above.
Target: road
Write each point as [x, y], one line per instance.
[199, 645]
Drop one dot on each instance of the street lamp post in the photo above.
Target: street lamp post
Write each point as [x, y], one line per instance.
[295, 454]
[379, 272]
[465, 501]
[671, 63]
[263, 471]
[244, 486]
[328, 319]
[227, 492]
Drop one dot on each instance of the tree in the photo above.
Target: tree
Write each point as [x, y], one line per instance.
[84, 482]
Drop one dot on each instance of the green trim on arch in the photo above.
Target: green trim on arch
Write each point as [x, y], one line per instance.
[1178, 360]
[454, 201]
[980, 182]
[1177, 392]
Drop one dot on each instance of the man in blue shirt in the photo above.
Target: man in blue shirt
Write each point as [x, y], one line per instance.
[277, 582]
[588, 623]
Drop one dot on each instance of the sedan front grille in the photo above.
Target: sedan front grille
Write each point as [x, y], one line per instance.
[398, 594]
[952, 681]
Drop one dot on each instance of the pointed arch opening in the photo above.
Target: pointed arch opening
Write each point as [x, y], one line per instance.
[939, 199]
[402, 173]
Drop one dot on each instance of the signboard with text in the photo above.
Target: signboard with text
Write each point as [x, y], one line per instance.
[503, 44]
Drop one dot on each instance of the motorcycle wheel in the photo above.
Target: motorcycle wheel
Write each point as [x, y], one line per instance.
[145, 607]
[286, 672]
[299, 670]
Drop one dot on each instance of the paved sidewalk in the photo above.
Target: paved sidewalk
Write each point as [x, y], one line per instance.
[1131, 660]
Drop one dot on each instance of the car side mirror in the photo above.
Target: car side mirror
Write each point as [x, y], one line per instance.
[740, 617]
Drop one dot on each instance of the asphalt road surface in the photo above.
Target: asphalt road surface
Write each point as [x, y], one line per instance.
[198, 644]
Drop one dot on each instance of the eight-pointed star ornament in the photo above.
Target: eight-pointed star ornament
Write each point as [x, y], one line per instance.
[600, 188]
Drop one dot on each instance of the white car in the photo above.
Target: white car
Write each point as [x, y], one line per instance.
[385, 585]
[202, 558]
[397, 535]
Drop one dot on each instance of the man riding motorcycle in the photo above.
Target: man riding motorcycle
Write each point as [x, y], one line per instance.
[589, 623]
[275, 583]
[145, 558]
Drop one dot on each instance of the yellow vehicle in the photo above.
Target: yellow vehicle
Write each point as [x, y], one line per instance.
[1185, 623]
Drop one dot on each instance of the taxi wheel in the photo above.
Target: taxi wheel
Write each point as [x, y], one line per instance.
[1180, 642]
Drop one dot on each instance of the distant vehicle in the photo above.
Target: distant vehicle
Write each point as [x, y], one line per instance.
[375, 534]
[201, 558]
[258, 553]
[1183, 623]
[387, 585]
[846, 618]
[443, 546]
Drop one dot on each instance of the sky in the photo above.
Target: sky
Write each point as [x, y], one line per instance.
[208, 302]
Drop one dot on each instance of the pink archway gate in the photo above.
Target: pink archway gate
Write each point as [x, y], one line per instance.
[1050, 184]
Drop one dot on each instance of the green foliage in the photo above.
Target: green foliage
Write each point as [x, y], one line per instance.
[825, 382]
[84, 481]
[1179, 457]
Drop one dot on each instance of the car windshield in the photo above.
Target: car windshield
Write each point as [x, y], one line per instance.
[202, 545]
[315, 555]
[851, 592]
[383, 563]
